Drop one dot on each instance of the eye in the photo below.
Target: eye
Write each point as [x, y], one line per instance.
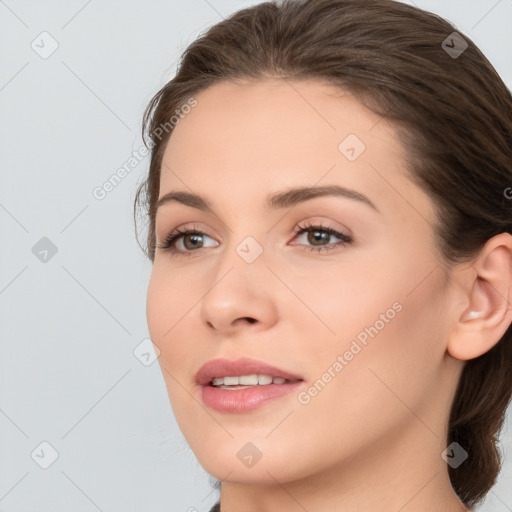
[191, 239]
[319, 233]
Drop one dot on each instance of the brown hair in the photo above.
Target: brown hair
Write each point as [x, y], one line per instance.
[454, 116]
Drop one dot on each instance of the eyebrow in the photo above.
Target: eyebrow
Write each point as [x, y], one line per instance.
[284, 199]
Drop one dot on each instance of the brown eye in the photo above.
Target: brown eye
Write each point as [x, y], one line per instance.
[192, 240]
[318, 233]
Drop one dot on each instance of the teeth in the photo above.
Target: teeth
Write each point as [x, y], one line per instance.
[264, 379]
[248, 380]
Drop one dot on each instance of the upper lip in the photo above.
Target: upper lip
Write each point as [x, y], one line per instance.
[242, 366]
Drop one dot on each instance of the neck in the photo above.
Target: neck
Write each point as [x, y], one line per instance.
[405, 473]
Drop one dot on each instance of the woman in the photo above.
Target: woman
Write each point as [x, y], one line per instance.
[330, 231]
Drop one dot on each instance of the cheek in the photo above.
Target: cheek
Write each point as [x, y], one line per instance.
[167, 301]
[164, 308]
[349, 300]
[398, 341]
[385, 324]
[364, 400]
[165, 305]
[156, 304]
[170, 304]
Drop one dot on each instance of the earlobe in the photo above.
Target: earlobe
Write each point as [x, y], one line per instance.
[487, 286]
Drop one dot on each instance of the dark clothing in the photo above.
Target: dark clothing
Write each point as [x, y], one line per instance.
[216, 507]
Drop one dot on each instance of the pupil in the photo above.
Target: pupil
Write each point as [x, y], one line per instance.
[195, 237]
[313, 236]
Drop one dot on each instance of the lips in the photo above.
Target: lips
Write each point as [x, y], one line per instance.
[242, 366]
[245, 398]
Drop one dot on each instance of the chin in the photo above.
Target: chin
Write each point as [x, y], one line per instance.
[251, 463]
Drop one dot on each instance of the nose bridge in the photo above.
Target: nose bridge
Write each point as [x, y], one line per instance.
[236, 289]
[244, 242]
[244, 256]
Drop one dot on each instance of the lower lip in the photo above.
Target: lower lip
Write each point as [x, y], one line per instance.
[245, 400]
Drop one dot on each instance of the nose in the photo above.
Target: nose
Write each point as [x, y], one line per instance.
[241, 296]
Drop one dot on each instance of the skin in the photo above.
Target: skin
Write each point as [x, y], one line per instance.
[372, 438]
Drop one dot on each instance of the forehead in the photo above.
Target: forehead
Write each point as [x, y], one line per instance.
[259, 136]
[278, 115]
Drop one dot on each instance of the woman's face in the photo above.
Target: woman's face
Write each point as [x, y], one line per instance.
[362, 323]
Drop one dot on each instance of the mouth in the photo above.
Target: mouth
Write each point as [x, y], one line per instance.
[243, 371]
[246, 381]
[243, 385]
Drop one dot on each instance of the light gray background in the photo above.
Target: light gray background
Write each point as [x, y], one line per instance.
[69, 325]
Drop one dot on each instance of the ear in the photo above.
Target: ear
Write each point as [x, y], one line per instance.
[485, 294]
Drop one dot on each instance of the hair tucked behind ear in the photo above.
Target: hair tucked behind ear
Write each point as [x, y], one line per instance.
[454, 116]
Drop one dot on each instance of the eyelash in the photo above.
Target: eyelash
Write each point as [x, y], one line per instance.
[168, 243]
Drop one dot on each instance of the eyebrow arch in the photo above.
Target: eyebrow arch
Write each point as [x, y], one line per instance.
[284, 199]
